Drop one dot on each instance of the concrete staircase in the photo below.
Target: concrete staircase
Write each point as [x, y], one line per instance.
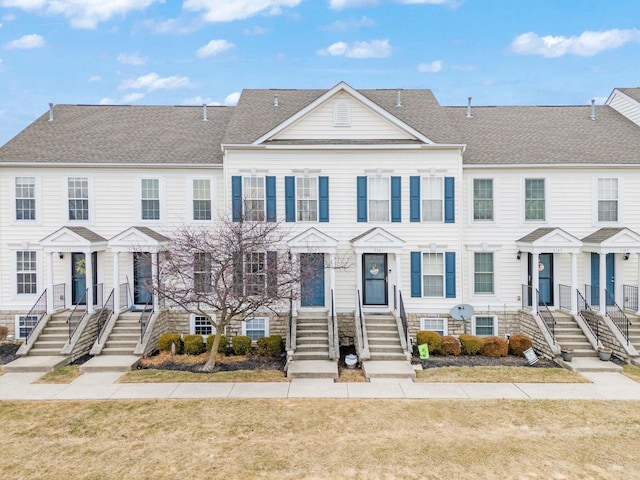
[634, 329]
[53, 337]
[124, 336]
[387, 358]
[569, 335]
[311, 357]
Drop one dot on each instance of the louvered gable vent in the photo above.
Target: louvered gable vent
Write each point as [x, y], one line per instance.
[342, 115]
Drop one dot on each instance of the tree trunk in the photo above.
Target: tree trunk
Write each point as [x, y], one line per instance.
[211, 363]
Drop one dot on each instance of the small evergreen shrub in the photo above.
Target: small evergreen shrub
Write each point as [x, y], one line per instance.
[450, 346]
[518, 343]
[166, 339]
[241, 345]
[194, 344]
[495, 347]
[4, 331]
[470, 344]
[222, 347]
[433, 339]
[271, 346]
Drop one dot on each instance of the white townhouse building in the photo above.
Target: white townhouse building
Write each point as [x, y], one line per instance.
[528, 214]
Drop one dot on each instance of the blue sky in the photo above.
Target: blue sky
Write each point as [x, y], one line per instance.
[500, 52]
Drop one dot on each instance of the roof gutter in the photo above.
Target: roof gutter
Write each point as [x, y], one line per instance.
[432, 146]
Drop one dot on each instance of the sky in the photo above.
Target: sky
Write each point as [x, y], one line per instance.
[190, 52]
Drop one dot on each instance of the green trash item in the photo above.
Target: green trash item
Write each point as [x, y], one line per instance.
[424, 351]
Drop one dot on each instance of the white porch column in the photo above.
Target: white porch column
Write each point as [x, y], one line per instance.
[50, 283]
[332, 275]
[358, 277]
[154, 281]
[296, 298]
[88, 275]
[603, 282]
[574, 283]
[535, 281]
[116, 281]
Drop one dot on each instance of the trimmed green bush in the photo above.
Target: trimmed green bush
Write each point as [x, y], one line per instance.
[166, 339]
[433, 339]
[194, 344]
[495, 347]
[518, 343]
[222, 347]
[450, 346]
[241, 345]
[470, 344]
[271, 346]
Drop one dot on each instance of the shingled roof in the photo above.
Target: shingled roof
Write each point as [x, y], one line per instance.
[121, 134]
[631, 92]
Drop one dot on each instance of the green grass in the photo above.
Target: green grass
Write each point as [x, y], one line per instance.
[66, 374]
[499, 375]
[171, 376]
[632, 371]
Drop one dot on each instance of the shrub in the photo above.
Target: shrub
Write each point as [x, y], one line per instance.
[241, 345]
[433, 339]
[166, 339]
[495, 347]
[518, 343]
[271, 346]
[450, 346]
[4, 331]
[222, 347]
[194, 344]
[470, 344]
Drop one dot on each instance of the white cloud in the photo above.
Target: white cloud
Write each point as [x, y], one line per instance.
[131, 59]
[81, 13]
[152, 81]
[585, 45]
[126, 100]
[232, 98]
[257, 30]
[199, 100]
[9, 17]
[229, 10]
[214, 47]
[173, 25]
[26, 42]
[95, 78]
[350, 24]
[372, 49]
[107, 101]
[432, 67]
[342, 4]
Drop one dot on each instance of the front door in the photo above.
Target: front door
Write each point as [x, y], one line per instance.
[374, 275]
[79, 277]
[142, 278]
[609, 284]
[545, 278]
[312, 279]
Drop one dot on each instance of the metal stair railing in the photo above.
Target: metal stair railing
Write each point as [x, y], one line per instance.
[527, 297]
[546, 315]
[593, 294]
[77, 314]
[360, 327]
[617, 316]
[333, 335]
[144, 318]
[107, 311]
[630, 297]
[59, 296]
[565, 297]
[405, 323]
[589, 318]
[124, 295]
[38, 310]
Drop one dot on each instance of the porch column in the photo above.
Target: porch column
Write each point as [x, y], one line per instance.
[574, 283]
[116, 281]
[358, 277]
[603, 282]
[88, 266]
[296, 298]
[332, 275]
[50, 283]
[154, 281]
[535, 281]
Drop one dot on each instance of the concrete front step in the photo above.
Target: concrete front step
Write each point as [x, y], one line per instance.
[390, 357]
[44, 352]
[117, 351]
[110, 363]
[312, 347]
[36, 364]
[313, 369]
[388, 369]
[304, 356]
[588, 364]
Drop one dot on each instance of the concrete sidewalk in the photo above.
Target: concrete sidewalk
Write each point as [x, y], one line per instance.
[102, 386]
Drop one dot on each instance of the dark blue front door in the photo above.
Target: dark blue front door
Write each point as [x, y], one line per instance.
[142, 278]
[79, 278]
[374, 274]
[545, 278]
[312, 279]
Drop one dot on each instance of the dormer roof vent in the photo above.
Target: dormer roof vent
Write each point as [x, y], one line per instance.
[204, 112]
[275, 101]
[51, 112]
[593, 109]
[468, 107]
[399, 98]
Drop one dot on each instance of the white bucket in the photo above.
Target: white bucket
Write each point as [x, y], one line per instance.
[351, 360]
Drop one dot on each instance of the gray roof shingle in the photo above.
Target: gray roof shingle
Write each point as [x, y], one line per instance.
[631, 92]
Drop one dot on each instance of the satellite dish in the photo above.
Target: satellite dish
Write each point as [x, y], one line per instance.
[462, 311]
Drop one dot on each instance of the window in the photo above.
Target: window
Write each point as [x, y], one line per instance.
[150, 195]
[483, 199]
[432, 275]
[432, 199]
[202, 272]
[201, 325]
[202, 199]
[485, 326]
[306, 199]
[255, 273]
[25, 198]
[483, 272]
[24, 324]
[254, 198]
[534, 199]
[26, 278]
[439, 325]
[607, 199]
[379, 195]
[78, 195]
[256, 328]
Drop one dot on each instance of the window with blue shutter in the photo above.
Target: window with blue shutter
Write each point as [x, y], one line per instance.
[414, 199]
[449, 200]
[236, 198]
[270, 187]
[396, 199]
[416, 274]
[290, 198]
[323, 197]
[361, 194]
[450, 274]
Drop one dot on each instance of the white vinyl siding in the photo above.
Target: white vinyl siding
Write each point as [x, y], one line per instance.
[432, 192]
[379, 198]
[25, 190]
[607, 200]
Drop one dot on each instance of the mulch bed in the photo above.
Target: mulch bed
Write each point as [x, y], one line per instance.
[8, 352]
[194, 364]
[483, 361]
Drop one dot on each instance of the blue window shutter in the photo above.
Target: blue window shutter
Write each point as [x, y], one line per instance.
[236, 198]
[414, 199]
[290, 198]
[362, 199]
[270, 186]
[323, 197]
[416, 274]
[396, 199]
[450, 273]
[449, 200]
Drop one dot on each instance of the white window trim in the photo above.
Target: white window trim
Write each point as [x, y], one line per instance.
[369, 199]
[495, 325]
[484, 248]
[14, 257]
[547, 200]
[423, 198]
[37, 221]
[472, 220]
[266, 325]
[17, 321]
[317, 182]
[595, 199]
[444, 273]
[245, 198]
[190, 198]
[161, 194]
[445, 324]
[90, 198]
[473, 275]
[192, 325]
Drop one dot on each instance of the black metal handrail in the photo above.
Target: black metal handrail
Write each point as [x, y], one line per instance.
[38, 310]
[124, 295]
[77, 314]
[333, 325]
[290, 325]
[593, 294]
[590, 320]
[361, 320]
[105, 315]
[403, 319]
[565, 297]
[617, 316]
[630, 300]
[547, 316]
[144, 319]
[59, 296]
